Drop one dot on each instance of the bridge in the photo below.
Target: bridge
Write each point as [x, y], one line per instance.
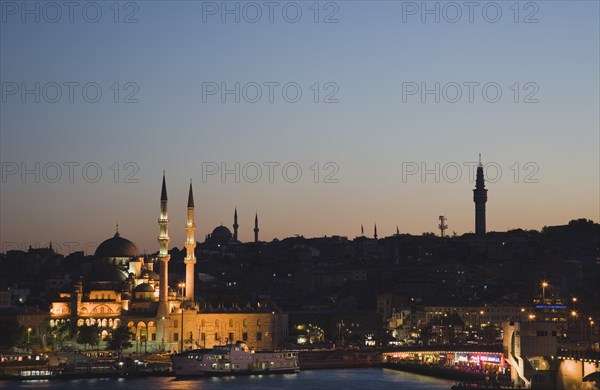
[536, 366]
[578, 368]
[463, 363]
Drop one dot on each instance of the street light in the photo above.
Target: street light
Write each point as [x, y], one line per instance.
[181, 285]
[340, 325]
[162, 343]
[28, 333]
[544, 285]
[574, 316]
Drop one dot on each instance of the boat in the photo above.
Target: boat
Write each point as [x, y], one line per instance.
[233, 359]
[35, 374]
[483, 385]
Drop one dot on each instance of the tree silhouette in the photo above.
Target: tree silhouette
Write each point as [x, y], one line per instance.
[88, 335]
[12, 334]
[63, 333]
[119, 339]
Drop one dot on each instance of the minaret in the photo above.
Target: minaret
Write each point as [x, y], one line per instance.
[397, 230]
[190, 245]
[235, 225]
[256, 228]
[163, 253]
[480, 197]
[375, 232]
[362, 230]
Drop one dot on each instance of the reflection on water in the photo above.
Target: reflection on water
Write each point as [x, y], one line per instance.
[360, 379]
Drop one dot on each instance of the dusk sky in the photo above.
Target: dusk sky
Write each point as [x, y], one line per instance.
[364, 117]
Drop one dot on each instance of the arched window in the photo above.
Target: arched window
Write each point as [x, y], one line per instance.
[231, 322]
[175, 324]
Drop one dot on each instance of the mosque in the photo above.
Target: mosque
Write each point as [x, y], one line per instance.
[123, 288]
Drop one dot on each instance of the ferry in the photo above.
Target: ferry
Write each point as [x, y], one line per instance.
[233, 359]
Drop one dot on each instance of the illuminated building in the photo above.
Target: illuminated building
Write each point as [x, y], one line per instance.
[123, 289]
[530, 347]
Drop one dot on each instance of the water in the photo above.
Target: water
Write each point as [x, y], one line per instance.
[348, 379]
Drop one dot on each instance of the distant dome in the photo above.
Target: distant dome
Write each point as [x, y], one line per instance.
[116, 246]
[221, 234]
[107, 274]
[151, 274]
[144, 287]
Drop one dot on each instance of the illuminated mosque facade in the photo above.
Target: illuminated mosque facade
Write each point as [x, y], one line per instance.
[123, 288]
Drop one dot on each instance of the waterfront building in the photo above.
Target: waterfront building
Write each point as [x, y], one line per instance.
[530, 348]
[122, 288]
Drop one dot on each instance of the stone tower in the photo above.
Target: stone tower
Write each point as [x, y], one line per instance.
[480, 198]
[190, 245]
[163, 253]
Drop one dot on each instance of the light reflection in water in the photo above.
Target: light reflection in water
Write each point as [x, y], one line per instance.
[349, 379]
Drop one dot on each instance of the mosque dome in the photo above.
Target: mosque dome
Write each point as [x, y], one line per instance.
[107, 274]
[150, 274]
[144, 287]
[116, 246]
[221, 234]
